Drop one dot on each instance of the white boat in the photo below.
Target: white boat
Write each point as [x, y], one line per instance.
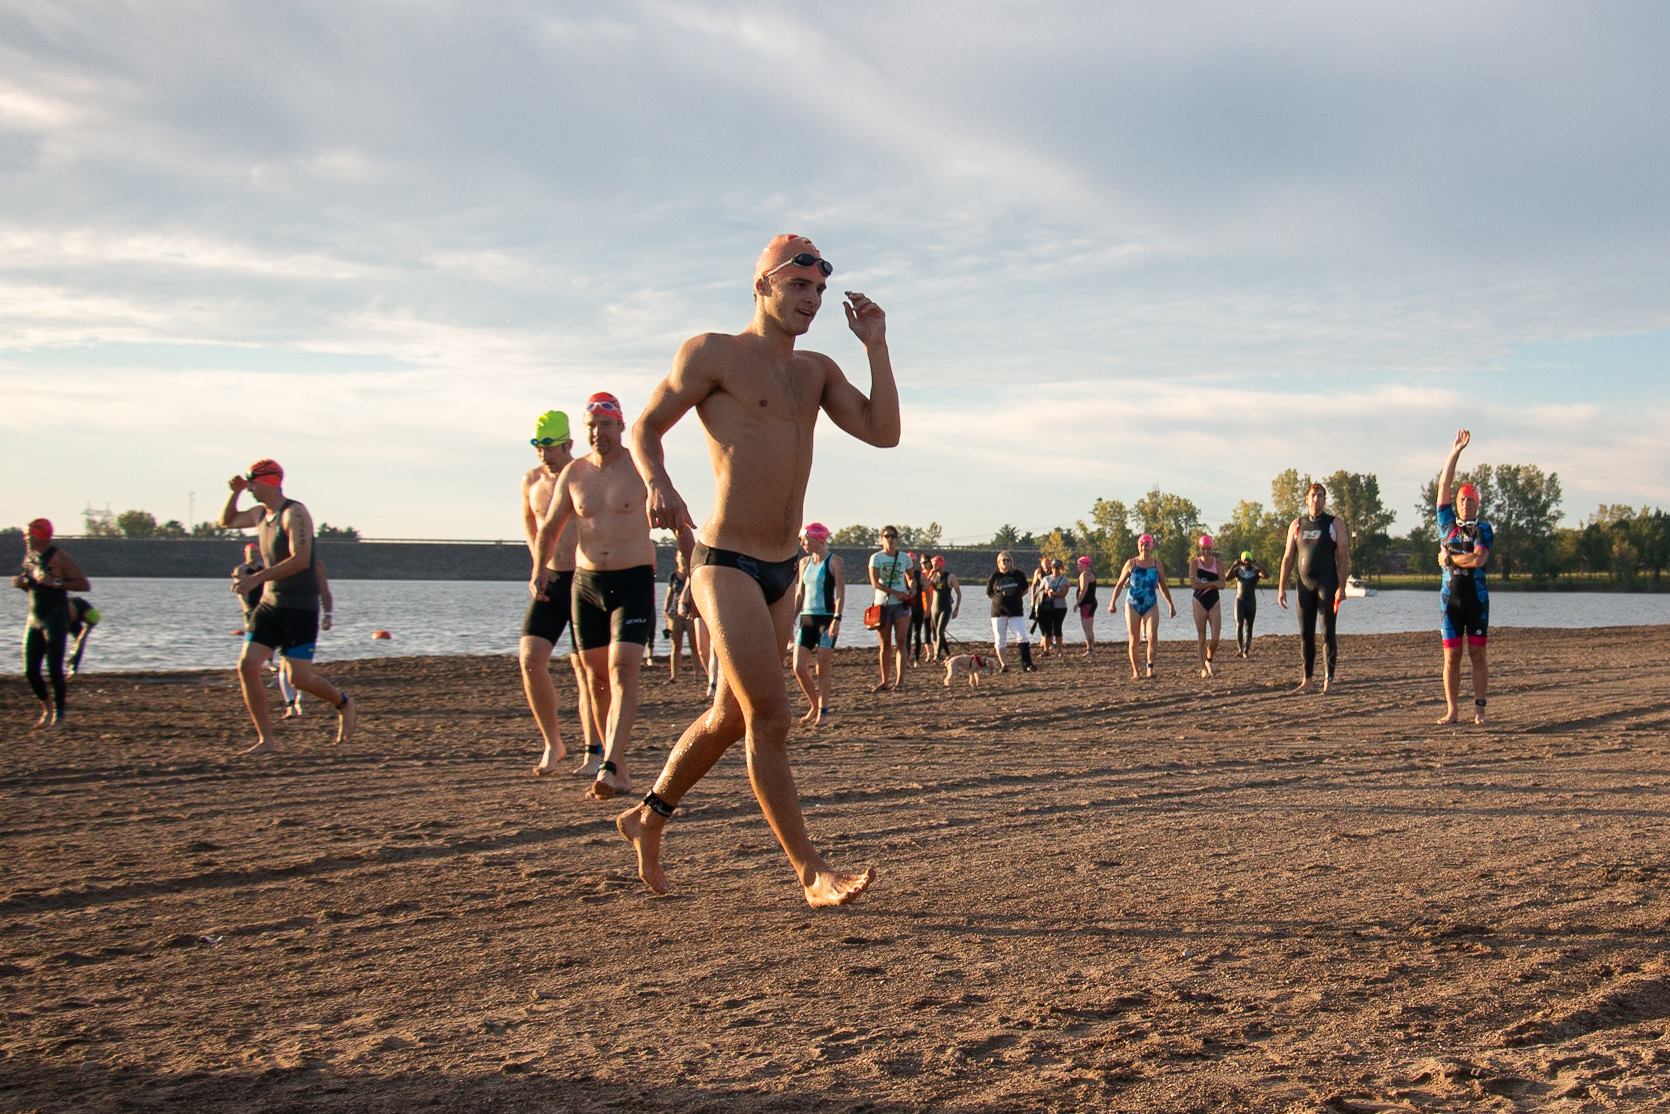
[1356, 589]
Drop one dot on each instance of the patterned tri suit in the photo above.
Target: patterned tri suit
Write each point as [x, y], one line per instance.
[1463, 598]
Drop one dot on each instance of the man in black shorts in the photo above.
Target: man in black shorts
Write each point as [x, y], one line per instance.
[548, 618]
[286, 621]
[614, 578]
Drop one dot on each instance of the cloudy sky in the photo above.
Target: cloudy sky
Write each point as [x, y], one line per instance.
[1120, 246]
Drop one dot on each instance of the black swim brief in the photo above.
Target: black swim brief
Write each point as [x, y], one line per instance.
[775, 578]
[613, 605]
[548, 618]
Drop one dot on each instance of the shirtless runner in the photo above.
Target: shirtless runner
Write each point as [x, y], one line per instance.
[758, 401]
[547, 618]
[614, 579]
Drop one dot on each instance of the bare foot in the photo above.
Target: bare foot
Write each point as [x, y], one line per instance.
[1208, 668]
[547, 764]
[810, 717]
[45, 720]
[1304, 686]
[1135, 676]
[1150, 673]
[291, 711]
[881, 686]
[1449, 718]
[261, 747]
[830, 888]
[823, 714]
[645, 839]
[1328, 683]
[1478, 716]
[588, 768]
[608, 783]
[347, 718]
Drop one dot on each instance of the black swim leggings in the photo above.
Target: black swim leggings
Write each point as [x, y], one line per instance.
[44, 641]
[1311, 601]
[942, 627]
[1246, 610]
[918, 630]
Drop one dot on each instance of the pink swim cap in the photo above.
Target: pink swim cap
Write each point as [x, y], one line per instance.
[1085, 562]
[817, 531]
[1206, 541]
[1146, 539]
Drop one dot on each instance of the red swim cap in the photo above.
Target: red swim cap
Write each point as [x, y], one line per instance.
[604, 403]
[265, 471]
[41, 530]
[1467, 491]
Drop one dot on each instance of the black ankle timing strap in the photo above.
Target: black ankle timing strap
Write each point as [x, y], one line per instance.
[657, 805]
[607, 767]
[594, 750]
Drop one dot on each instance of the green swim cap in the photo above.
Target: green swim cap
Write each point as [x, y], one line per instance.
[92, 617]
[1246, 555]
[550, 429]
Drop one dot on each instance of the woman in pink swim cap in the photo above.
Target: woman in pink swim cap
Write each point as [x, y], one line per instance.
[1085, 601]
[1205, 577]
[1146, 575]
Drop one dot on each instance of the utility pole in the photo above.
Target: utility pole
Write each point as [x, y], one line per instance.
[191, 510]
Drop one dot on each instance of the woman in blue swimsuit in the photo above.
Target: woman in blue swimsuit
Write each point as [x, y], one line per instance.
[1145, 574]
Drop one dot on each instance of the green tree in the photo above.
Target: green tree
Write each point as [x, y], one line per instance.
[213, 531]
[1652, 538]
[921, 537]
[1107, 537]
[1252, 528]
[137, 524]
[1057, 546]
[1174, 521]
[1006, 537]
[861, 536]
[1355, 497]
[1287, 495]
[329, 533]
[1524, 512]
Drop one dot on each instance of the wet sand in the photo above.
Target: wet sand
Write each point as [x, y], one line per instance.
[1175, 895]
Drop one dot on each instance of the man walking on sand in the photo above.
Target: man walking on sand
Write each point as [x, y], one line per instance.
[758, 401]
[614, 579]
[547, 618]
[286, 621]
[1319, 547]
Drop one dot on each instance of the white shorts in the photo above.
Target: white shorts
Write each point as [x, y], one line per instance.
[1003, 625]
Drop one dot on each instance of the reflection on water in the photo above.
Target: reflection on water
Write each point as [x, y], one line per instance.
[194, 624]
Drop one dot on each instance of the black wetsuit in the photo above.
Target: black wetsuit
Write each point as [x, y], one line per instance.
[47, 634]
[939, 586]
[1246, 578]
[1318, 585]
[918, 611]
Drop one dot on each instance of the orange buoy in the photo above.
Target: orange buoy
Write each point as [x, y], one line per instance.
[381, 635]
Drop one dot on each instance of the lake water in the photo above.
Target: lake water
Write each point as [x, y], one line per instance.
[195, 624]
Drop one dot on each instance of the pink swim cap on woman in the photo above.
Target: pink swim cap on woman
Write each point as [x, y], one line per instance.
[1085, 562]
[1146, 539]
[817, 531]
[1206, 541]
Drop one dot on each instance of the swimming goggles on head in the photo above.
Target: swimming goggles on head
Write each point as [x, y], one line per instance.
[804, 259]
[547, 442]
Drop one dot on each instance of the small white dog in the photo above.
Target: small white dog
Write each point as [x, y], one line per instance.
[970, 666]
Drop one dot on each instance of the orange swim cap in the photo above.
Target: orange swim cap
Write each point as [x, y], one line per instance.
[780, 250]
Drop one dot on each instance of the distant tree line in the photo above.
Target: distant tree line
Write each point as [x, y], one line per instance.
[144, 524]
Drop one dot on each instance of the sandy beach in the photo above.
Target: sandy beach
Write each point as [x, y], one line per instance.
[1179, 895]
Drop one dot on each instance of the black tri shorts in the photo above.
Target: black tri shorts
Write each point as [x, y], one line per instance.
[613, 605]
[548, 618]
[292, 631]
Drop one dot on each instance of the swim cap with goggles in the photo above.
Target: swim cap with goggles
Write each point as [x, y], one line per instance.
[266, 472]
[939, 562]
[604, 403]
[550, 429]
[1467, 491]
[789, 250]
[41, 530]
[816, 531]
